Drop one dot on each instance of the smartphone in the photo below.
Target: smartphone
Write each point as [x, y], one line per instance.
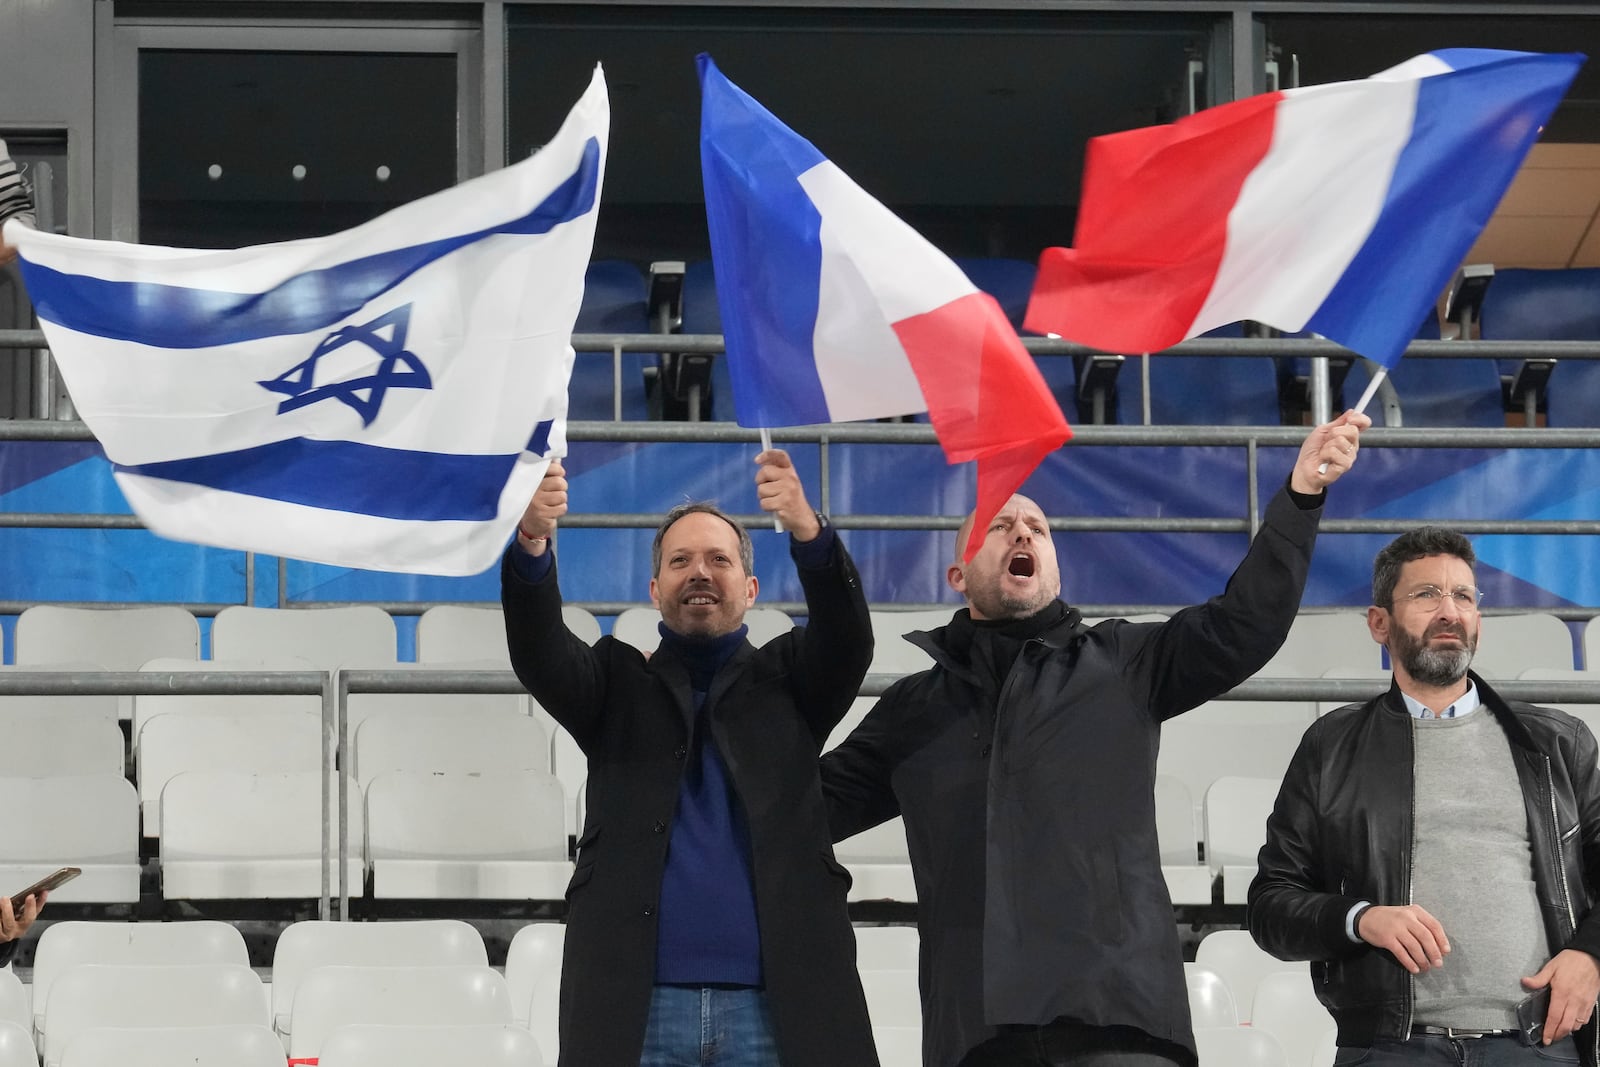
[1531, 1012]
[48, 882]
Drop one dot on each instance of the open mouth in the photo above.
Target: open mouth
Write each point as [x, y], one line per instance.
[699, 600]
[1021, 566]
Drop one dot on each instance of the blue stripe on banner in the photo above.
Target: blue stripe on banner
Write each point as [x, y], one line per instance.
[170, 316]
[1472, 129]
[390, 483]
[766, 249]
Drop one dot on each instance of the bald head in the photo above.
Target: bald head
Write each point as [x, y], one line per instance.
[1014, 575]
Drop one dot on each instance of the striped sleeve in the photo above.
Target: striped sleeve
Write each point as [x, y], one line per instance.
[16, 198]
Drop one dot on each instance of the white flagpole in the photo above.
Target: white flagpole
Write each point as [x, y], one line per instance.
[1366, 398]
[766, 446]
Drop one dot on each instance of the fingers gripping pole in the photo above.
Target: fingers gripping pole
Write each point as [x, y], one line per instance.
[766, 446]
[1366, 398]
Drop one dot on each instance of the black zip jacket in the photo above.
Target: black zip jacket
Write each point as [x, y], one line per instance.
[1029, 807]
[1341, 833]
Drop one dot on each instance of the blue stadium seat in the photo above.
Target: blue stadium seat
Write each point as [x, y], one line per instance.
[702, 314]
[614, 301]
[1202, 390]
[1010, 282]
[1551, 305]
[1436, 392]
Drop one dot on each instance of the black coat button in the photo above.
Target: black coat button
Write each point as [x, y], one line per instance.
[985, 751]
[660, 827]
[679, 752]
[649, 911]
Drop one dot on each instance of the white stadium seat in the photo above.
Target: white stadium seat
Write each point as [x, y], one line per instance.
[42, 744]
[1510, 644]
[1238, 1047]
[533, 974]
[888, 948]
[115, 639]
[139, 995]
[247, 743]
[241, 1045]
[465, 742]
[148, 707]
[87, 821]
[452, 633]
[1210, 1002]
[1235, 957]
[335, 996]
[1286, 1006]
[891, 652]
[1243, 738]
[898, 1046]
[879, 862]
[16, 1046]
[1236, 828]
[324, 637]
[893, 998]
[375, 1045]
[1188, 880]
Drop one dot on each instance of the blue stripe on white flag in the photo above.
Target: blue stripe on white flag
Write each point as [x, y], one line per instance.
[169, 316]
[391, 483]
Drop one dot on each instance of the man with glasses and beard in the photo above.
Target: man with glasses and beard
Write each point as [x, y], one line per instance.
[1434, 851]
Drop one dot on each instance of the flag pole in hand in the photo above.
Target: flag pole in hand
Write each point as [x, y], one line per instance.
[1366, 398]
[766, 446]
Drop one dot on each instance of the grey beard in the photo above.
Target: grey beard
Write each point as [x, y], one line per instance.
[1438, 666]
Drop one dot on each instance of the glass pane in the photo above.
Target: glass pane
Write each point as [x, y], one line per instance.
[242, 148]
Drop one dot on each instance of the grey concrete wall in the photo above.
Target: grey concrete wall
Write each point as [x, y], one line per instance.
[47, 82]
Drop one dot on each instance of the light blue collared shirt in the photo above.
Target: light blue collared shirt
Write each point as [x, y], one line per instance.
[1464, 705]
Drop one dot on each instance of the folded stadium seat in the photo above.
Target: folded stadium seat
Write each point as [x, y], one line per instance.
[86, 821]
[302, 947]
[1513, 643]
[149, 707]
[1551, 305]
[533, 964]
[638, 626]
[16, 1046]
[879, 863]
[131, 995]
[324, 637]
[898, 1046]
[16, 1002]
[891, 652]
[1244, 738]
[450, 633]
[1317, 639]
[242, 1045]
[247, 743]
[41, 744]
[232, 836]
[615, 300]
[1589, 713]
[333, 996]
[1234, 956]
[1188, 880]
[702, 314]
[116, 639]
[363, 706]
[1286, 1006]
[489, 836]
[455, 742]
[893, 998]
[1210, 1002]
[1375, 673]
[888, 948]
[1236, 828]
[395, 1045]
[1202, 390]
[1238, 1047]
[1435, 392]
[65, 945]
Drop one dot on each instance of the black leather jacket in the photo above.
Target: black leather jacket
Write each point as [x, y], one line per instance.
[1341, 832]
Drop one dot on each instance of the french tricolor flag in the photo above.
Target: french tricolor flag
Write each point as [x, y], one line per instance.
[1341, 209]
[834, 309]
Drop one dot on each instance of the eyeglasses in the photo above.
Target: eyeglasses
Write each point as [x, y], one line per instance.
[1430, 598]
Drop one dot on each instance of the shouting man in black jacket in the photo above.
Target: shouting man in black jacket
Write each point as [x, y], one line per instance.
[1024, 766]
[1434, 850]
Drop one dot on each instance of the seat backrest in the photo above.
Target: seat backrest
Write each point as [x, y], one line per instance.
[859, 707]
[363, 706]
[1589, 713]
[888, 948]
[1210, 1002]
[512, 815]
[454, 633]
[15, 1006]
[1175, 822]
[241, 1045]
[72, 819]
[615, 300]
[42, 743]
[1236, 811]
[1524, 304]
[533, 963]
[67, 944]
[304, 946]
[117, 639]
[893, 998]
[395, 1045]
[1510, 644]
[1317, 639]
[333, 996]
[1201, 390]
[898, 1046]
[1238, 1047]
[1245, 738]
[148, 707]
[223, 816]
[249, 743]
[884, 843]
[16, 1046]
[464, 741]
[139, 995]
[1234, 956]
[891, 652]
[325, 637]
[1286, 1006]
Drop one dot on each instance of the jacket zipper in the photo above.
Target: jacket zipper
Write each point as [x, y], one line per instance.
[1561, 869]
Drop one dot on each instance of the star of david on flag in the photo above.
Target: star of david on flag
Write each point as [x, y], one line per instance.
[386, 398]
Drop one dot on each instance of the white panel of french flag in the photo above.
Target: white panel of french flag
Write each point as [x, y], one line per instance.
[1341, 209]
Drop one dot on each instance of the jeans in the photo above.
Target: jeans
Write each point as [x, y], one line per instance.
[1068, 1044]
[1457, 1052]
[710, 1027]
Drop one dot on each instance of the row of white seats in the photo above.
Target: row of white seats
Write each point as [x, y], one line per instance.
[123, 639]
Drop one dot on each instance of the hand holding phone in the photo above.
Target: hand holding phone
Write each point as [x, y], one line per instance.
[1532, 1010]
[43, 885]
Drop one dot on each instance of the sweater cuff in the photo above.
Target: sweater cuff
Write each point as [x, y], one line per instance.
[1305, 501]
[816, 553]
[530, 568]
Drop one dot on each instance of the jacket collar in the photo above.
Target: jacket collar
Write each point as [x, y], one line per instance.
[949, 647]
[1492, 702]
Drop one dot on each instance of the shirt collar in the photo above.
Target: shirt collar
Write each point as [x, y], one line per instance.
[1464, 705]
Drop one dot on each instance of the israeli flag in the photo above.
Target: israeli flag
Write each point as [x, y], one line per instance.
[385, 398]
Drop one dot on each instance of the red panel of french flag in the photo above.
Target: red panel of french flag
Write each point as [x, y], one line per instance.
[1342, 209]
[834, 309]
